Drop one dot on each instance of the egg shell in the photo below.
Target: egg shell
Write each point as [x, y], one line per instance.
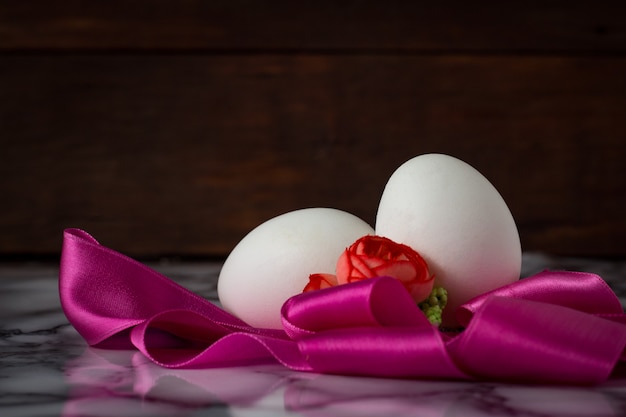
[456, 219]
[273, 262]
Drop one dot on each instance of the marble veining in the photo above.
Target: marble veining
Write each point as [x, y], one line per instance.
[46, 369]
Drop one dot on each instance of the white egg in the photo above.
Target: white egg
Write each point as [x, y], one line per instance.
[273, 262]
[454, 217]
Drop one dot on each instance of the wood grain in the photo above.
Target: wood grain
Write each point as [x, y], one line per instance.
[183, 154]
[389, 27]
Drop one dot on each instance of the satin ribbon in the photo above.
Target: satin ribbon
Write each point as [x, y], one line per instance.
[553, 327]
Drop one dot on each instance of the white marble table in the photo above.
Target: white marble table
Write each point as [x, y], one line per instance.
[46, 369]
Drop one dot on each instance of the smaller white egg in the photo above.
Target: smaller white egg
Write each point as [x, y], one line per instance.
[273, 262]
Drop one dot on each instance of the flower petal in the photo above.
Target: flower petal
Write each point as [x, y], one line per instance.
[320, 281]
[402, 270]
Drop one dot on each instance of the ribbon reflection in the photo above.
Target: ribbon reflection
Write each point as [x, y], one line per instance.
[121, 382]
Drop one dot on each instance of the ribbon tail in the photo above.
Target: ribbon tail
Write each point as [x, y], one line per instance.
[104, 293]
[184, 339]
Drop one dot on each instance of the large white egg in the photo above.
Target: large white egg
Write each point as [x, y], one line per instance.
[273, 262]
[455, 218]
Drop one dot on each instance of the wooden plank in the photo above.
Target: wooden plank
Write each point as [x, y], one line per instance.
[185, 154]
[283, 25]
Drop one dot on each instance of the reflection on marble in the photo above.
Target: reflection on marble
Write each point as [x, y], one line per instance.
[47, 370]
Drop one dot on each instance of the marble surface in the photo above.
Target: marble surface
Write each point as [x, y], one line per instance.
[46, 369]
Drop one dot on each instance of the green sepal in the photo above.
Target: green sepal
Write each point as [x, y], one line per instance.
[434, 304]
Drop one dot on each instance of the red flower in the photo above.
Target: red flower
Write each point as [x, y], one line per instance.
[376, 256]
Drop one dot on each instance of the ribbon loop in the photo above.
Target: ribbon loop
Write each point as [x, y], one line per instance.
[580, 291]
[367, 303]
[524, 341]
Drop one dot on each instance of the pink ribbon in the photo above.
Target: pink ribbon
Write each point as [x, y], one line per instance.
[553, 327]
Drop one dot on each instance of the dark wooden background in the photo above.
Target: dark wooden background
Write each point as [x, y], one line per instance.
[175, 127]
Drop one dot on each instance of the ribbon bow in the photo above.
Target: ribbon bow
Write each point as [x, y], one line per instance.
[553, 327]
